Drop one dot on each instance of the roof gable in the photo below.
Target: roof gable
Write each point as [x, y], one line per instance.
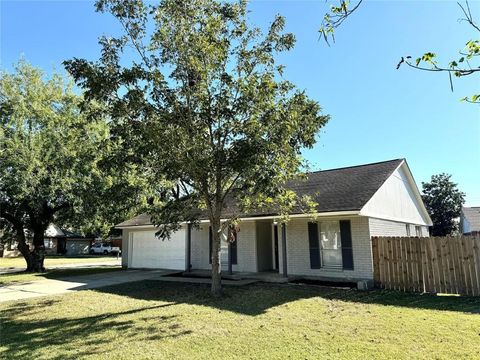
[347, 188]
[398, 199]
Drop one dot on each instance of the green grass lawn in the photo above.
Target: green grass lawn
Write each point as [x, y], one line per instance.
[161, 320]
[22, 277]
[19, 262]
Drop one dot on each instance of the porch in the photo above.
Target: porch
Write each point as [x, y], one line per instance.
[263, 276]
[257, 249]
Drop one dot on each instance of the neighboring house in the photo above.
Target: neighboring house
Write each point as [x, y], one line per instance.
[354, 204]
[470, 221]
[62, 241]
[57, 241]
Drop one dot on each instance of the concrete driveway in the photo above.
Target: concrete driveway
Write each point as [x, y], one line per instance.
[75, 283]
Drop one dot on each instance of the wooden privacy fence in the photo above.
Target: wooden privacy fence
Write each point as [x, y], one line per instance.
[430, 264]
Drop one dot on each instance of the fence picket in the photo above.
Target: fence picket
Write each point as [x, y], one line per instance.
[471, 263]
[388, 254]
[441, 275]
[414, 264]
[461, 270]
[376, 258]
[435, 264]
[445, 254]
[404, 265]
[427, 266]
[396, 267]
[421, 273]
[476, 260]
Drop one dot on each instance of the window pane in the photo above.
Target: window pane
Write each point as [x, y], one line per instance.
[330, 242]
[332, 258]
[330, 235]
[224, 249]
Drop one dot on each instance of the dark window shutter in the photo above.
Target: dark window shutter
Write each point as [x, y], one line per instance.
[210, 239]
[233, 248]
[346, 236]
[314, 245]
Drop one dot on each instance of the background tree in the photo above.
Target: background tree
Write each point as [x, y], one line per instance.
[466, 64]
[444, 203]
[212, 117]
[50, 157]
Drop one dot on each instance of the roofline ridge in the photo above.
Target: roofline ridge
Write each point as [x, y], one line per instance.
[356, 166]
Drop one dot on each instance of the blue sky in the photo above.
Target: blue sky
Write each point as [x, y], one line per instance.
[377, 112]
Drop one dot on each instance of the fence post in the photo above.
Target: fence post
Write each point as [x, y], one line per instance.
[376, 262]
[421, 274]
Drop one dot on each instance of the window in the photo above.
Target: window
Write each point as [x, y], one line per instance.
[331, 244]
[48, 243]
[407, 227]
[418, 231]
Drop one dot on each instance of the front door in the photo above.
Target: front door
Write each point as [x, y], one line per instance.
[61, 246]
[264, 246]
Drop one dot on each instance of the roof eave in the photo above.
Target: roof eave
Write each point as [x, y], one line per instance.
[252, 218]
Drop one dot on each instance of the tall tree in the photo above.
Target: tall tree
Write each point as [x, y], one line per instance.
[49, 158]
[444, 203]
[216, 121]
[465, 65]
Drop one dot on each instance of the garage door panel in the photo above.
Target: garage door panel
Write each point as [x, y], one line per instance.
[150, 252]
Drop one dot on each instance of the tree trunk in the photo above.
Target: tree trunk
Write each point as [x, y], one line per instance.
[216, 266]
[38, 253]
[24, 248]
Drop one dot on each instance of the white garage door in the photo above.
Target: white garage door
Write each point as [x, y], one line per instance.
[150, 252]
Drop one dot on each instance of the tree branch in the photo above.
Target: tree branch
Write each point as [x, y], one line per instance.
[468, 15]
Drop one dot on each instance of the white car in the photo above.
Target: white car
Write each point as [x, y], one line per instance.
[105, 249]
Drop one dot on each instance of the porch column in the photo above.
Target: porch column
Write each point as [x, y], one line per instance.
[230, 272]
[284, 250]
[188, 261]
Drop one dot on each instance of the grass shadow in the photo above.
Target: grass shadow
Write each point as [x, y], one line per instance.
[28, 334]
[257, 298]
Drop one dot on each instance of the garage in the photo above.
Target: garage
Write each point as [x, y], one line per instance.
[148, 251]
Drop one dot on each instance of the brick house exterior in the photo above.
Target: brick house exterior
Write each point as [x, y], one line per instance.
[355, 203]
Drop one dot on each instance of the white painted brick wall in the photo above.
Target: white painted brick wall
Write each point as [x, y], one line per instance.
[246, 248]
[298, 253]
[200, 248]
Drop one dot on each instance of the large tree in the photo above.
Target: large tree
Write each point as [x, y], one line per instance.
[444, 203]
[50, 154]
[212, 116]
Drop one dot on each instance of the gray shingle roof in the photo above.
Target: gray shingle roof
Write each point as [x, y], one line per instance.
[472, 214]
[343, 189]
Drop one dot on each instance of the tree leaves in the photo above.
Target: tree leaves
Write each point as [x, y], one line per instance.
[213, 119]
[444, 203]
[53, 159]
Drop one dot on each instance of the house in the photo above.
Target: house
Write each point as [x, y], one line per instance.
[56, 241]
[62, 241]
[354, 204]
[470, 220]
